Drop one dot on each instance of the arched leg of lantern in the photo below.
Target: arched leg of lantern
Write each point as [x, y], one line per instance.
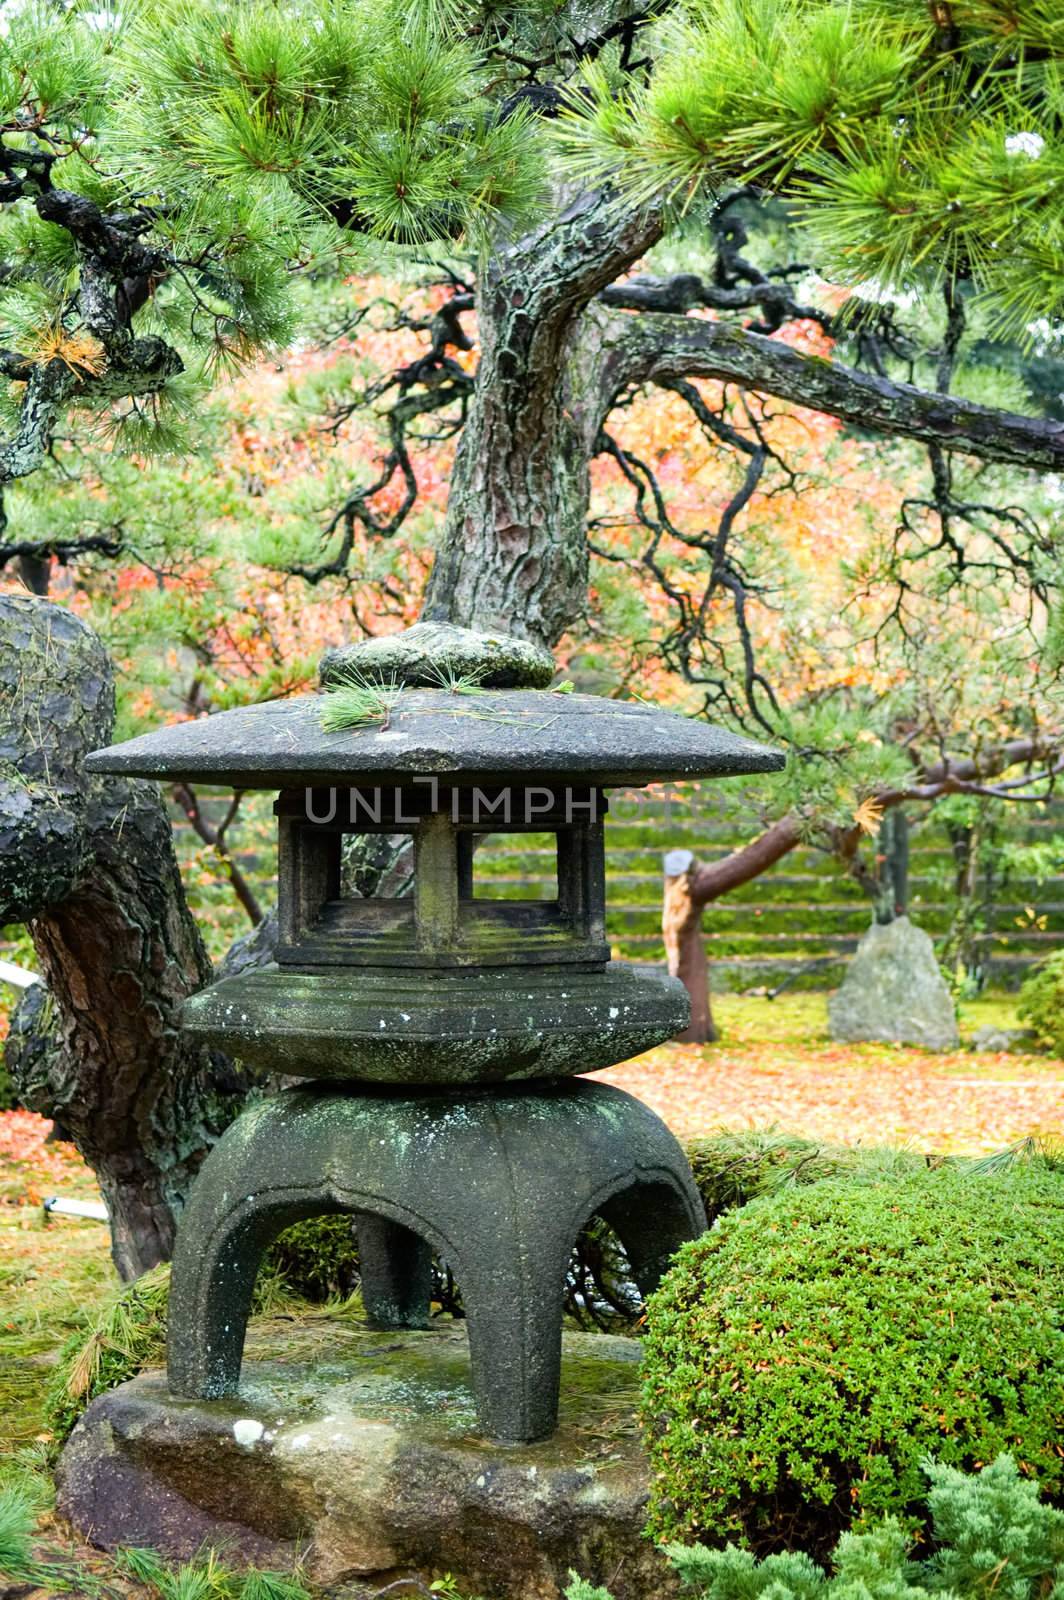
[302, 1154]
[652, 1218]
[500, 1185]
[395, 1265]
[220, 1245]
[513, 1301]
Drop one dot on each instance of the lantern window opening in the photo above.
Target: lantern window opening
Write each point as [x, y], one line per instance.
[512, 882]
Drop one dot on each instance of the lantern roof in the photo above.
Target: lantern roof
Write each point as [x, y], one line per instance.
[464, 731]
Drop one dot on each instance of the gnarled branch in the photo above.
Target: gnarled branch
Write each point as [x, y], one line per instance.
[659, 348]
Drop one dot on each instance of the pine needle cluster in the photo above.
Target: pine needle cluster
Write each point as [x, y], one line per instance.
[167, 171]
[919, 141]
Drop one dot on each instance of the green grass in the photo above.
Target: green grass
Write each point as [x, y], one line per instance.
[802, 1019]
[53, 1278]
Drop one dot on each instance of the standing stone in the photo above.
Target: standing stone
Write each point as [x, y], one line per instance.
[894, 991]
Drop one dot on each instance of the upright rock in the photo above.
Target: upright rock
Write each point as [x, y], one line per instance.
[894, 991]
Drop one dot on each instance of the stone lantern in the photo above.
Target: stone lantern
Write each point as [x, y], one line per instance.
[440, 1033]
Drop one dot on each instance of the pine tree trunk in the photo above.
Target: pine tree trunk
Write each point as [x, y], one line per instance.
[89, 864]
[685, 945]
[35, 572]
[514, 548]
[892, 866]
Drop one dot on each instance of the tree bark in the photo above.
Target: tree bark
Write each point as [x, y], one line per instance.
[688, 890]
[89, 864]
[514, 548]
[685, 946]
[657, 347]
[35, 572]
[892, 866]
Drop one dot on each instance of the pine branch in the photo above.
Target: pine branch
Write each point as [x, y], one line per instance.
[117, 274]
[62, 549]
[48, 388]
[659, 348]
[187, 798]
[564, 264]
[357, 508]
[692, 635]
[685, 290]
[953, 775]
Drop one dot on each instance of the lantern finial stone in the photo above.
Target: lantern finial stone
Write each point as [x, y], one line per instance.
[431, 654]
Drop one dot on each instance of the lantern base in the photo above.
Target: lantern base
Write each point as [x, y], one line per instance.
[499, 1185]
[368, 1464]
[419, 1027]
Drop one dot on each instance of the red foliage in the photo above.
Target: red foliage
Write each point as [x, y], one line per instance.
[30, 1168]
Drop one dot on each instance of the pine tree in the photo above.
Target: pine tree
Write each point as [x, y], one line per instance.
[169, 169]
[171, 172]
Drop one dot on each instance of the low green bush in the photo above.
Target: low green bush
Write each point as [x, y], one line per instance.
[730, 1169]
[317, 1259]
[733, 1168]
[994, 1540]
[803, 1356]
[1041, 1002]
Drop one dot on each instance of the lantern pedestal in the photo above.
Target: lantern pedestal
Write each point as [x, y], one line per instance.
[498, 1183]
[356, 1454]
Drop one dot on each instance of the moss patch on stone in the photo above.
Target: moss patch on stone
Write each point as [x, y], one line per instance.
[333, 1364]
[427, 654]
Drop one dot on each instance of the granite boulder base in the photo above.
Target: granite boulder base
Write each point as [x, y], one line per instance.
[359, 1453]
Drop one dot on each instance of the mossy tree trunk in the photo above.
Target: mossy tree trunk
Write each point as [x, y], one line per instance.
[89, 864]
[514, 551]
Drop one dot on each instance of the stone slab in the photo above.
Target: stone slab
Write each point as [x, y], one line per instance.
[384, 1025]
[357, 1450]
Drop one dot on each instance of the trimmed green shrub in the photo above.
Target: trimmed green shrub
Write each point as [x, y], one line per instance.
[732, 1169]
[804, 1355]
[1041, 1002]
[317, 1259]
[993, 1537]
